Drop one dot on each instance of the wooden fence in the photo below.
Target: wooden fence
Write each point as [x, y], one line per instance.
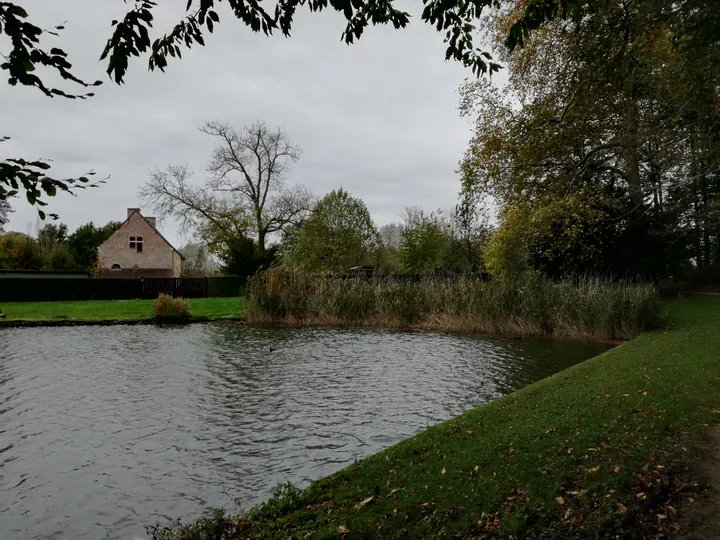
[64, 289]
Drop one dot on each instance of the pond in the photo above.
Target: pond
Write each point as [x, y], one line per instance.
[106, 429]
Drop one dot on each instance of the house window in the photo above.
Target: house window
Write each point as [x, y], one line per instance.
[115, 267]
[136, 243]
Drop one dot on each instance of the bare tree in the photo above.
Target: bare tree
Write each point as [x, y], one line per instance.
[251, 165]
[412, 216]
[246, 192]
[170, 192]
[391, 235]
[470, 230]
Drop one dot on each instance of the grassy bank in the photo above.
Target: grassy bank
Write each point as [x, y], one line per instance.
[115, 310]
[599, 450]
[529, 306]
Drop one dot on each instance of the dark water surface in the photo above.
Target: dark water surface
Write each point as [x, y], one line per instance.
[106, 429]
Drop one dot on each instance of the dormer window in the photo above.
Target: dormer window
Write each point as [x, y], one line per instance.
[136, 243]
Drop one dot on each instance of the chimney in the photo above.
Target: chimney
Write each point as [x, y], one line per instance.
[131, 210]
[151, 221]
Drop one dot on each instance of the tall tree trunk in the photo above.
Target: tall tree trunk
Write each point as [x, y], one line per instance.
[630, 153]
[697, 232]
[261, 231]
[704, 197]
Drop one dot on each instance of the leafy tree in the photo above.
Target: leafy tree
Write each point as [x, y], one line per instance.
[19, 252]
[84, 241]
[60, 259]
[614, 107]
[5, 210]
[240, 256]
[50, 237]
[560, 237]
[340, 234]
[468, 232]
[247, 189]
[387, 257]
[424, 242]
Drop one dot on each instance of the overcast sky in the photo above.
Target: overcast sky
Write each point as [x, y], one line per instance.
[378, 118]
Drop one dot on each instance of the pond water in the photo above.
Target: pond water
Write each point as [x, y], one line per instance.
[106, 429]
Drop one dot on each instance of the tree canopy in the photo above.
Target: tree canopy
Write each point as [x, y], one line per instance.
[603, 149]
[28, 53]
[338, 235]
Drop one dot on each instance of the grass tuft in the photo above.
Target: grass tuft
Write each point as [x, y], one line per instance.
[169, 309]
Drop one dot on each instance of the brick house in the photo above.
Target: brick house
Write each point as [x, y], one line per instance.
[137, 248]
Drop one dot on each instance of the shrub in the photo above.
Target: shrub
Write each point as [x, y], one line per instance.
[169, 309]
[215, 526]
[528, 304]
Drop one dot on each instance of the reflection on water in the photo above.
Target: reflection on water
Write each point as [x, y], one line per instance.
[106, 429]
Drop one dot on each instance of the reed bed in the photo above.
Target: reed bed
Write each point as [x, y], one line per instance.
[531, 305]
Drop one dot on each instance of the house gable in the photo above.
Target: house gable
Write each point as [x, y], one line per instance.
[137, 248]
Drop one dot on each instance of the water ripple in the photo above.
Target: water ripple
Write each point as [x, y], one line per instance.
[105, 429]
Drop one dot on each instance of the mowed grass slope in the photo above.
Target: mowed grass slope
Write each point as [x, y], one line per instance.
[116, 310]
[600, 450]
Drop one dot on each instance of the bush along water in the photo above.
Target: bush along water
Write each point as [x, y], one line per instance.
[527, 305]
[169, 309]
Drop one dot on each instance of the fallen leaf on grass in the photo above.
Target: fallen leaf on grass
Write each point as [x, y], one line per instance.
[661, 516]
[560, 500]
[568, 513]
[641, 495]
[443, 471]
[622, 507]
[672, 509]
[363, 503]
[616, 469]
[594, 469]
[342, 529]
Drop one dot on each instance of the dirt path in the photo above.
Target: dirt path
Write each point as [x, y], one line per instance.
[701, 520]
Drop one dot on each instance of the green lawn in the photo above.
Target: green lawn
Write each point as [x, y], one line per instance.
[116, 310]
[599, 450]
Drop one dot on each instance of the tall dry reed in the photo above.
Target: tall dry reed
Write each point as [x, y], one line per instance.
[585, 308]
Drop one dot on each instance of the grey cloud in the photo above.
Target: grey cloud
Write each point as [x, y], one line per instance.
[378, 117]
